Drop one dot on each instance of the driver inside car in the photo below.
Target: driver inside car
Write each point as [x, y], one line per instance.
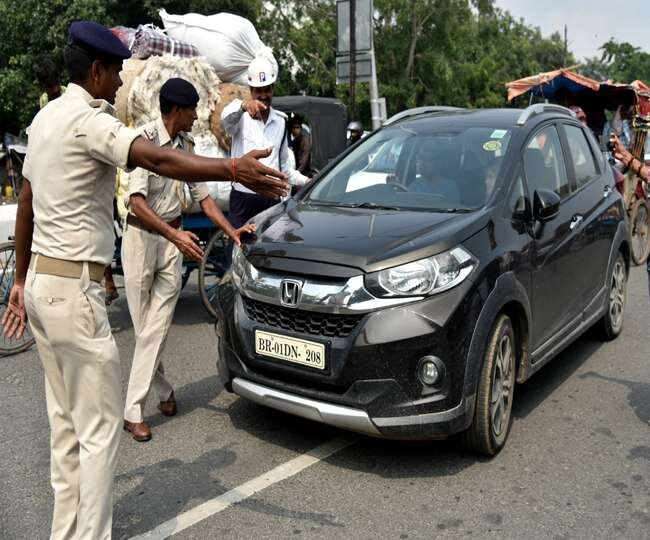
[431, 179]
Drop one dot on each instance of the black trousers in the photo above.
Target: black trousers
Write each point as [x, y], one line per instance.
[244, 206]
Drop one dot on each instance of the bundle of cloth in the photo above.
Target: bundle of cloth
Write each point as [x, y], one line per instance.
[148, 40]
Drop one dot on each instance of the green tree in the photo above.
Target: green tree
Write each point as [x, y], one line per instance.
[35, 29]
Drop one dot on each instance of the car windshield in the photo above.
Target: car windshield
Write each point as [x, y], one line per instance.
[407, 168]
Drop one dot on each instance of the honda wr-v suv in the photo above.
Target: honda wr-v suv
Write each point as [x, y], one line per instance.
[406, 298]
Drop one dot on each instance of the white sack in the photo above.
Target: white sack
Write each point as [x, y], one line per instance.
[228, 42]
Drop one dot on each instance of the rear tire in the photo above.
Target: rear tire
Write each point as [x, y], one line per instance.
[640, 231]
[493, 411]
[611, 325]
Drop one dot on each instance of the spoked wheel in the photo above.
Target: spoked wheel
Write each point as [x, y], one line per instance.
[493, 412]
[214, 265]
[7, 272]
[640, 231]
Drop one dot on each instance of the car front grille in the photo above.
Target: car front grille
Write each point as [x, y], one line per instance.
[303, 322]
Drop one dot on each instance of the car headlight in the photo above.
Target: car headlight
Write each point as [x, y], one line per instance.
[239, 262]
[425, 276]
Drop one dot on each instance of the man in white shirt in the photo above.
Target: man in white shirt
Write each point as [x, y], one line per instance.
[253, 123]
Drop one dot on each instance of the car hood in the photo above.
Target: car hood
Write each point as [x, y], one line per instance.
[366, 239]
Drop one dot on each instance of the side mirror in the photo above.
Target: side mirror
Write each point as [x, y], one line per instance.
[546, 205]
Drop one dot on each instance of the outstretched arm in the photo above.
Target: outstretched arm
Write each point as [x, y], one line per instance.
[214, 214]
[246, 170]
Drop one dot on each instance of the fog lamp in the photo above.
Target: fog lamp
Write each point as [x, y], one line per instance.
[430, 370]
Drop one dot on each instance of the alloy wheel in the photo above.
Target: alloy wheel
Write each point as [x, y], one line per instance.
[502, 386]
[617, 296]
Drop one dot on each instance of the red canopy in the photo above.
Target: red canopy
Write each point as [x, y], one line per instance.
[545, 84]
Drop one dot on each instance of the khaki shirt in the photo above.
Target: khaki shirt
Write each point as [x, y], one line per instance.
[164, 195]
[75, 143]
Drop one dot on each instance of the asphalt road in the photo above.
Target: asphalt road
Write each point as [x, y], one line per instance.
[577, 464]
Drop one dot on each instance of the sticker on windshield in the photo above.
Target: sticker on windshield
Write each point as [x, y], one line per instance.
[492, 146]
[498, 134]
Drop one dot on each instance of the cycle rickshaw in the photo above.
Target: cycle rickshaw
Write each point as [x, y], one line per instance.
[595, 98]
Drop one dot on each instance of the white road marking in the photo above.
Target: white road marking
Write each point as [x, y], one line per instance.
[240, 493]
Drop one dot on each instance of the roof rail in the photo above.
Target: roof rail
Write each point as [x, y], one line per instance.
[539, 108]
[419, 110]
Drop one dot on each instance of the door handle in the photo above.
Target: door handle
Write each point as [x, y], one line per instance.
[575, 221]
[607, 191]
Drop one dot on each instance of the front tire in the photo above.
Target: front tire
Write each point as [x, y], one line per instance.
[493, 412]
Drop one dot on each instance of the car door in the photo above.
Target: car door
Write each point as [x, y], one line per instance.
[593, 200]
[556, 269]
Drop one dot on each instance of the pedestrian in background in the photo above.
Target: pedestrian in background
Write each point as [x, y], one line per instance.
[47, 76]
[253, 123]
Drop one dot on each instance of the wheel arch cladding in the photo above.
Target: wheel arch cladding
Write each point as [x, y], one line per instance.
[508, 296]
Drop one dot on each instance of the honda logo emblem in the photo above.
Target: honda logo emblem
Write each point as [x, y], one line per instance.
[290, 292]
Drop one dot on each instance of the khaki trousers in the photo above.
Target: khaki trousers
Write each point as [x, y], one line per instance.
[152, 280]
[82, 391]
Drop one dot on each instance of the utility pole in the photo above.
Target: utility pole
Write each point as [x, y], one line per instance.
[566, 48]
[353, 66]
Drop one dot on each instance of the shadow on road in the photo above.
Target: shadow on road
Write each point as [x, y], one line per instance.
[539, 387]
[192, 396]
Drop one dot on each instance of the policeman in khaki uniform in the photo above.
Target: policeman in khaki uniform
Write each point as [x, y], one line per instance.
[152, 255]
[64, 235]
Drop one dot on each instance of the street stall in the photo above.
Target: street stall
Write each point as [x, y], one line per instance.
[609, 107]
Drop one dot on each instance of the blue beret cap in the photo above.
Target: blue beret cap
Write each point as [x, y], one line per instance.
[97, 40]
[180, 92]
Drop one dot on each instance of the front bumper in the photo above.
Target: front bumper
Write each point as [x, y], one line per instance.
[353, 419]
[370, 385]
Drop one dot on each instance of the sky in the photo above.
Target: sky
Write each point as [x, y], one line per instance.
[590, 23]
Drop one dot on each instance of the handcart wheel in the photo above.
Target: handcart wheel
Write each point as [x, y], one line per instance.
[7, 271]
[640, 231]
[213, 266]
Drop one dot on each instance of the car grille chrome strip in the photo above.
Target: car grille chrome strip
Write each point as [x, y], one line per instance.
[349, 296]
[319, 411]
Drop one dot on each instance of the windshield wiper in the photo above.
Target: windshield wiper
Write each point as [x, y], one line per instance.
[451, 210]
[370, 205]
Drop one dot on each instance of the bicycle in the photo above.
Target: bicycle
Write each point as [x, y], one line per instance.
[9, 346]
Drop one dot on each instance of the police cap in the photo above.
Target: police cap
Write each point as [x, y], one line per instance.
[179, 92]
[97, 40]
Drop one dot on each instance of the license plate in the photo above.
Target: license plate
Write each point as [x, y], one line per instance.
[298, 351]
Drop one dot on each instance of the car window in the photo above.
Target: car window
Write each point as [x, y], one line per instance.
[581, 156]
[419, 169]
[544, 163]
[517, 198]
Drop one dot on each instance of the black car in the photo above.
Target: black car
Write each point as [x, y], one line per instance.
[438, 262]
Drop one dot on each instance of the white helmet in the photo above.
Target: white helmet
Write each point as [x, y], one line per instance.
[262, 72]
